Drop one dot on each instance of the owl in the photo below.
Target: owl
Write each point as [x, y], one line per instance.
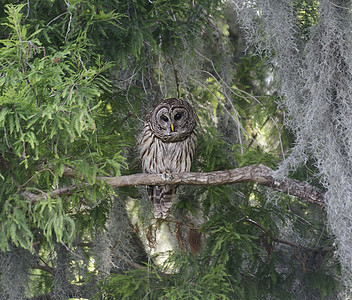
[167, 145]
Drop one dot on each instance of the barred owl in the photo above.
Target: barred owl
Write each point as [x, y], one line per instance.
[167, 145]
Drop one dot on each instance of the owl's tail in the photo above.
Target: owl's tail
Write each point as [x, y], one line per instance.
[162, 198]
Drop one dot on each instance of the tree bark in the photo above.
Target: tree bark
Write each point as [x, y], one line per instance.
[260, 175]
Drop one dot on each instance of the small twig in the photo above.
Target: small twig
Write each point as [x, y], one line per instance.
[28, 9]
[71, 251]
[69, 22]
[68, 190]
[36, 174]
[339, 6]
[21, 132]
[57, 17]
[45, 268]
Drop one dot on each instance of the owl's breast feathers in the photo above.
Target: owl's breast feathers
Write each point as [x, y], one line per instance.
[159, 156]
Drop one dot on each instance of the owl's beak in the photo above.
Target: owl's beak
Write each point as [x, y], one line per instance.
[172, 127]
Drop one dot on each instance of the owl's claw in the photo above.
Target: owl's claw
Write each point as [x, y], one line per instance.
[166, 175]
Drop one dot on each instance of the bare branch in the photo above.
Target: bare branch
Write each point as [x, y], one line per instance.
[46, 268]
[256, 174]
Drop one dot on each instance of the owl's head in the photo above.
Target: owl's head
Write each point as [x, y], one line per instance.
[172, 120]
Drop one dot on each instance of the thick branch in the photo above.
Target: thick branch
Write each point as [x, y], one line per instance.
[256, 174]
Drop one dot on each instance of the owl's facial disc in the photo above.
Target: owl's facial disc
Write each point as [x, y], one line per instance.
[172, 121]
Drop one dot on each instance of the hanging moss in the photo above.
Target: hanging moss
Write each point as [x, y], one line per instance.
[313, 70]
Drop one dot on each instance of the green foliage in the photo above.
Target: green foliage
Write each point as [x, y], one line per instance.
[50, 103]
[14, 224]
[307, 14]
[198, 282]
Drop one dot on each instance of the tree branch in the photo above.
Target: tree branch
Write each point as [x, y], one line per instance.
[256, 174]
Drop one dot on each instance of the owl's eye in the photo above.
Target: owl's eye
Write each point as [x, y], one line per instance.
[164, 118]
[178, 116]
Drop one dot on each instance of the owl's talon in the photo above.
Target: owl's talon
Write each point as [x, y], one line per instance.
[167, 176]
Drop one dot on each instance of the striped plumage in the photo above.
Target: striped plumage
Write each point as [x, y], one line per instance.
[167, 145]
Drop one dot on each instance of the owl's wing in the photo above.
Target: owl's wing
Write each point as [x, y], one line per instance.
[162, 198]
